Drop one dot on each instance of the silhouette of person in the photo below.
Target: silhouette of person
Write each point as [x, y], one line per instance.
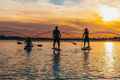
[56, 37]
[86, 38]
[28, 42]
[28, 45]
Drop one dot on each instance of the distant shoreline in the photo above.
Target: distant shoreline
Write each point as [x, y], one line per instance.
[50, 39]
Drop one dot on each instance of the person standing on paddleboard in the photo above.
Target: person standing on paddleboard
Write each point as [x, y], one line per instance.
[86, 38]
[56, 37]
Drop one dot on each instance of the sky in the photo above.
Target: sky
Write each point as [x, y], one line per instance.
[97, 15]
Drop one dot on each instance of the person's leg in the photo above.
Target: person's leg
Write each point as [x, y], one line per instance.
[54, 42]
[88, 43]
[59, 44]
[84, 44]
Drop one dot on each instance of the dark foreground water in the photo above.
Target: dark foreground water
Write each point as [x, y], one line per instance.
[71, 63]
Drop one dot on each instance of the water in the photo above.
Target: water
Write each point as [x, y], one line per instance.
[71, 63]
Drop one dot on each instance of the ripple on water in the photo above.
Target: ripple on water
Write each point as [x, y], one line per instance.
[100, 63]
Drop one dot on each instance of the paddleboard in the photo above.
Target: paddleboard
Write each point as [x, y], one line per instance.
[86, 48]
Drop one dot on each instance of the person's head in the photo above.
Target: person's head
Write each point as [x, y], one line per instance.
[86, 29]
[56, 27]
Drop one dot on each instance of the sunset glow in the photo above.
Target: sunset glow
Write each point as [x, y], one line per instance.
[108, 13]
[71, 16]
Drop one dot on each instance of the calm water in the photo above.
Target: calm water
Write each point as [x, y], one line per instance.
[42, 63]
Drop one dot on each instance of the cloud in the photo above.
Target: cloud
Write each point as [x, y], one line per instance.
[54, 9]
[17, 4]
[57, 2]
[62, 12]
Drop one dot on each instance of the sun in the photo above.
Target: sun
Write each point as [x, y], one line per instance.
[108, 13]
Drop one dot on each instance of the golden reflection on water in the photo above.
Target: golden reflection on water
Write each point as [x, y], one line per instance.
[102, 61]
[109, 57]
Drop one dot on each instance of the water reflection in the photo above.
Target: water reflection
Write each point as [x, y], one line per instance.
[109, 57]
[102, 62]
[29, 71]
[86, 63]
[86, 56]
[56, 63]
[28, 50]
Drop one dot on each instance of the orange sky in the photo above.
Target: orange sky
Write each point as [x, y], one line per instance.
[97, 15]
